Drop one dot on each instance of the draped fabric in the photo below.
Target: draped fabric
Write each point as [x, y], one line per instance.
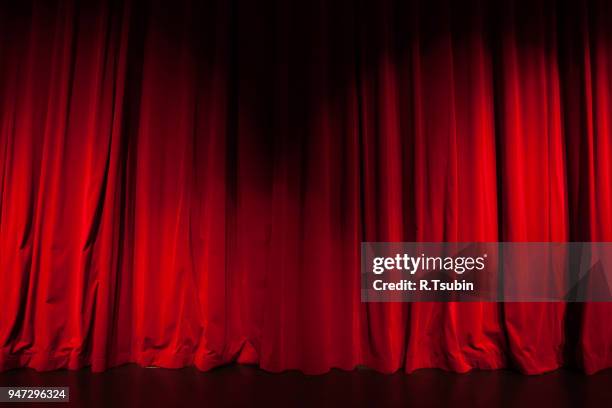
[188, 182]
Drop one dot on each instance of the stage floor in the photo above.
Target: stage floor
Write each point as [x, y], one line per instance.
[133, 386]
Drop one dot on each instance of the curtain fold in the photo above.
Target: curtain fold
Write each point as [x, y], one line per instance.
[188, 183]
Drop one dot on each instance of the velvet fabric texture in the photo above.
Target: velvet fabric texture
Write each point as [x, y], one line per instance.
[188, 182]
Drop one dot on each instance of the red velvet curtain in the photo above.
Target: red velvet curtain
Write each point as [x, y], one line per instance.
[188, 182]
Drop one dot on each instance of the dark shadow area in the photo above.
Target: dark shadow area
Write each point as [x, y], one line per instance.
[236, 385]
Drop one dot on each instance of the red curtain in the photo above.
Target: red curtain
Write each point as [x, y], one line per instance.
[189, 182]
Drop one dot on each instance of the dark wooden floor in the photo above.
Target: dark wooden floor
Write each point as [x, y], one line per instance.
[132, 386]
